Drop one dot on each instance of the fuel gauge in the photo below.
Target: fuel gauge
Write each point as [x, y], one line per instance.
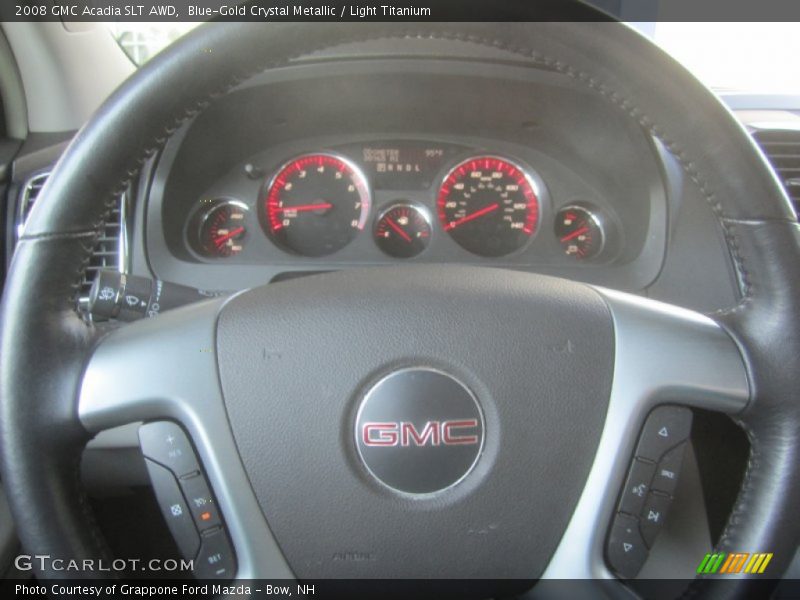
[580, 232]
[403, 230]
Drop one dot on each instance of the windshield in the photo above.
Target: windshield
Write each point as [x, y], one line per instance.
[142, 41]
[736, 57]
[728, 57]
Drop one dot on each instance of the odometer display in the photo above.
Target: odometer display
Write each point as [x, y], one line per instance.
[488, 205]
[316, 204]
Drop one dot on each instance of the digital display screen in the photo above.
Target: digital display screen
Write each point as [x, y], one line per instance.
[403, 165]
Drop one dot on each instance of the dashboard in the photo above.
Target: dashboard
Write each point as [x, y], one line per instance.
[399, 192]
[315, 204]
[329, 164]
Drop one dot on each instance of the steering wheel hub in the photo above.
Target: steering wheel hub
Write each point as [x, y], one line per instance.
[419, 431]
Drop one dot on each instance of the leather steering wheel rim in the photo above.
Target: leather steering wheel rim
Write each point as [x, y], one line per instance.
[42, 435]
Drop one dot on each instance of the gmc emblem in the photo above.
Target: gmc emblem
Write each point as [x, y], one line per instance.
[434, 433]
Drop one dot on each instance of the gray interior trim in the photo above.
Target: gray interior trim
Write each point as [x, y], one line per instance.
[61, 92]
[39, 158]
[12, 92]
[745, 101]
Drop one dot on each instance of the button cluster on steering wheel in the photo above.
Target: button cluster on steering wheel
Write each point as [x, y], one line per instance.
[186, 501]
[646, 497]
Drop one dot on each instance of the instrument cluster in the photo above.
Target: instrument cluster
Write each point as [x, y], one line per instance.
[402, 194]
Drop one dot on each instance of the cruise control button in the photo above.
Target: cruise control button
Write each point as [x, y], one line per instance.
[653, 515]
[665, 428]
[637, 486]
[166, 443]
[626, 551]
[668, 470]
[201, 502]
[174, 508]
[215, 560]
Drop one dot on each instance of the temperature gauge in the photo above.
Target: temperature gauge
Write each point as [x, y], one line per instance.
[580, 232]
[403, 230]
[223, 229]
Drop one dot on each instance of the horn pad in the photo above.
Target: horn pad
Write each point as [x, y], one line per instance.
[412, 421]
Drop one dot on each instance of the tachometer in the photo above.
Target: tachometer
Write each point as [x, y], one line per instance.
[488, 205]
[316, 204]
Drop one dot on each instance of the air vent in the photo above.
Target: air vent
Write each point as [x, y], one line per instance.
[110, 251]
[27, 198]
[782, 147]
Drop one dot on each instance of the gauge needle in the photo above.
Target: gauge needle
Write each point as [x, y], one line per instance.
[475, 215]
[398, 229]
[223, 238]
[575, 234]
[307, 207]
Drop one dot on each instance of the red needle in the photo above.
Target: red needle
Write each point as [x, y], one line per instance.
[223, 238]
[306, 207]
[475, 215]
[398, 229]
[575, 234]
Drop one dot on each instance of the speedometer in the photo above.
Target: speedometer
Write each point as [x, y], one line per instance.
[316, 204]
[488, 205]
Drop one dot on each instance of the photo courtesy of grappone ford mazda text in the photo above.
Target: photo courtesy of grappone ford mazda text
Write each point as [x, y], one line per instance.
[493, 301]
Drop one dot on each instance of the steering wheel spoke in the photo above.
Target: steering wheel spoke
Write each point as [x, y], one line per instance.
[664, 355]
[155, 368]
[165, 369]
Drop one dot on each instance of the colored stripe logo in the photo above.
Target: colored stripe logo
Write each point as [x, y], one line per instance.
[735, 562]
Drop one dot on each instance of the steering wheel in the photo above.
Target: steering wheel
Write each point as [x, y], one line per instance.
[277, 387]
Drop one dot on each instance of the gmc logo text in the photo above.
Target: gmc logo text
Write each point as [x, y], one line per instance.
[434, 433]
